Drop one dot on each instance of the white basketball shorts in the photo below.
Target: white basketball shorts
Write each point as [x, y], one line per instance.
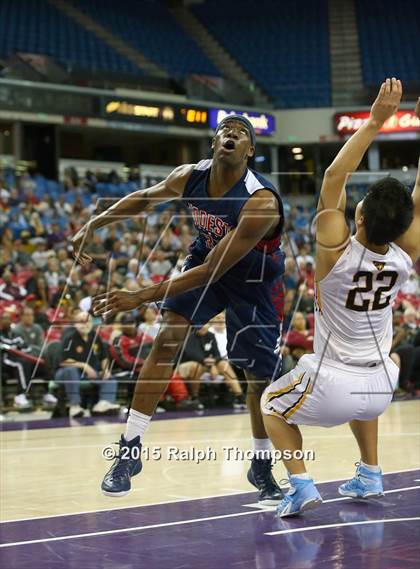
[331, 393]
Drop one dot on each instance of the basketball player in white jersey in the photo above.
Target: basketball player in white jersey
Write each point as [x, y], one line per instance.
[350, 377]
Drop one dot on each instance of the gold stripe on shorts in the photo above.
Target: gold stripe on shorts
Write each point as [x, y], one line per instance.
[286, 389]
[293, 408]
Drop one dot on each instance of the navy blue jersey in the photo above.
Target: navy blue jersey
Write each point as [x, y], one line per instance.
[215, 217]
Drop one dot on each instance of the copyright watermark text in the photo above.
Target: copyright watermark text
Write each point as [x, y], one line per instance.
[207, 454]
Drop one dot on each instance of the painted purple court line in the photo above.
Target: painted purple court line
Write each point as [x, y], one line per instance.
[184, 537]
[88, 421]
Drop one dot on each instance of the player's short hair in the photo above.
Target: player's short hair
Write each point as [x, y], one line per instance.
[387, 211]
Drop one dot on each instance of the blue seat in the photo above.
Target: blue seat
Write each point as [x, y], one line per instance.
[39, 27]
[283, 46]
[388, 39]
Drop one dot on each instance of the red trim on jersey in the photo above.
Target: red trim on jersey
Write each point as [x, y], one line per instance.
[269, 245]
[277, 297]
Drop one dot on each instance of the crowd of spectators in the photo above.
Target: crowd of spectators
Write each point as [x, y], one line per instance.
[45, 295]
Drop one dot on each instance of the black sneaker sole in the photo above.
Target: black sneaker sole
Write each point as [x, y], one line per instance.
[264, 501]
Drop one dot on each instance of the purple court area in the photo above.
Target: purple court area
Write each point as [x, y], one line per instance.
[64, 422]
[228, 532]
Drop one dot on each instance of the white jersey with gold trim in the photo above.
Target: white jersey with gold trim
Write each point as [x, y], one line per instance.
[353, 314]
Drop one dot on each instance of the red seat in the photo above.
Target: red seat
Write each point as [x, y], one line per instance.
[22, 277]
[105, 333]
[310, 319]
[54, 333]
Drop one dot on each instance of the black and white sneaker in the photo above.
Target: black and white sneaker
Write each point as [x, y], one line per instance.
[260, 476]
[127, 463]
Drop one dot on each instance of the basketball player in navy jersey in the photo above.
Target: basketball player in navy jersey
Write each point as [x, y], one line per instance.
[235, 264]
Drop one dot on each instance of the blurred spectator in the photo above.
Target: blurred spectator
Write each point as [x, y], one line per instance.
[13, 360]
[31, 333]
[52, 274]
[119, 258]
[306, 302]
[291, 275]
[201, 360]
[129, 350]
[150, 325]
[84, 357]
[98, 250]
[35, 284]
[55, 236]
[300, 338]
[60, 293]
[170, 246]
[41, 254]
[412, 285]
[160, 267]
[397, 329]
[218, 329]
[9, 290]
[405, 352]
[131, 347]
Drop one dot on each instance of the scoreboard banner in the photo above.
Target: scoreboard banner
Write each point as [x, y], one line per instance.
[183, 115]
[401, 121]
[154, 112]
[263, 123]
[78, 105]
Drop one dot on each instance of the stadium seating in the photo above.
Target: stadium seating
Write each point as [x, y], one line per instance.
[389, 39]
[293, 36]
[36, 26]
[151, 28]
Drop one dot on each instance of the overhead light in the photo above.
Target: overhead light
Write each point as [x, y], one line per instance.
[296, 150]
[298, 156]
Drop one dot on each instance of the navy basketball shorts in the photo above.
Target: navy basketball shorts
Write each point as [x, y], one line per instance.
[254, 314]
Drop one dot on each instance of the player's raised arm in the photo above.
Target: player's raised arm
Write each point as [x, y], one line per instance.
[410, 240]
[135, 203]
[331, 228]
[259, 215]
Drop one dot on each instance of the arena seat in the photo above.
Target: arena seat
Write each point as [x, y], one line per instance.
[293, 36]
[151, 28]
[36, 26]
[389, 40]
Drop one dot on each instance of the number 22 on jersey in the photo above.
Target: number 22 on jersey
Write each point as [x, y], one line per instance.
[371, 282]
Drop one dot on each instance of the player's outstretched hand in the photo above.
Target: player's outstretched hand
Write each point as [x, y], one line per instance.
[110, 303]
[80, 241]
[387, 101]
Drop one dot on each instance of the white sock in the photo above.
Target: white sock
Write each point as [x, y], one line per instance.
[137, 424]
[370, 467]
[303, 476]
[261, 448]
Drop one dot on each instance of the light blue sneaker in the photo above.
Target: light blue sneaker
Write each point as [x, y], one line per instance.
[365, 484]
[302, 495]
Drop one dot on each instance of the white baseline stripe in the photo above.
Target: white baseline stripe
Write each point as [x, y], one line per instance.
[171, 501]
[166, 524]
[125, 530]
[311, 528]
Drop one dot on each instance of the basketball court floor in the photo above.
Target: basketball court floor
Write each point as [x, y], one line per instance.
[188, 513]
